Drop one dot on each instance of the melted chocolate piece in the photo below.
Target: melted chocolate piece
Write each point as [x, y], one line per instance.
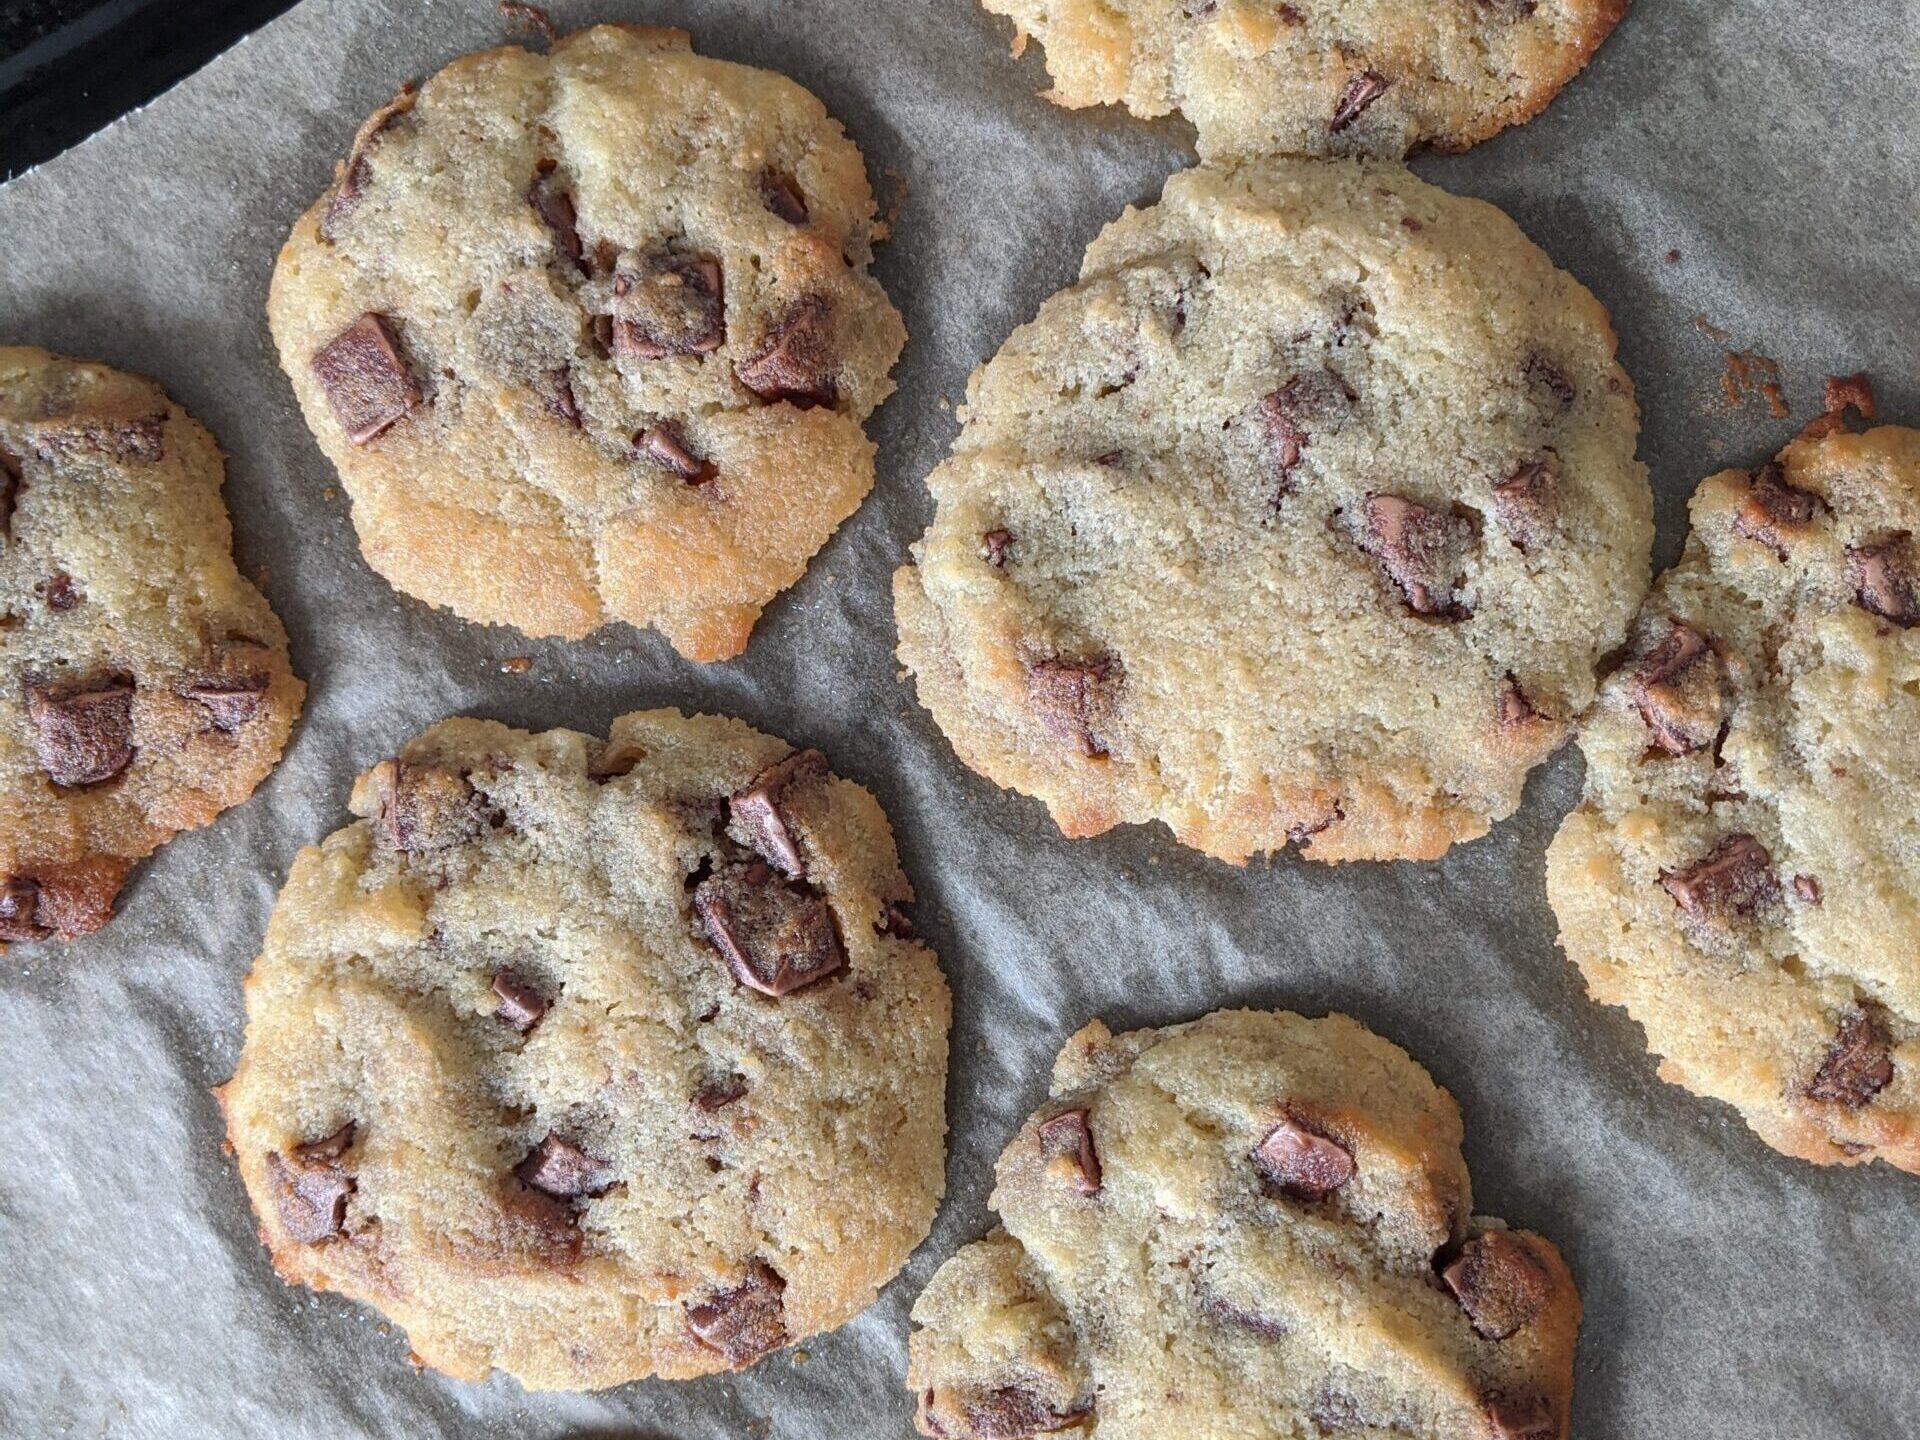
[1676, 689]
[1860, 1064]
[799, 364]
[11, 479]
[1542, 372]
[356, 174]
[310, 1187]
[1499, 1282]
[1734, 878]
[1302, 1163]
[668, 304]
[560, 1168]
[1008, 1412]
[1070, 1134]
[142, 439]
[62, 594]
[757, 810]
[744, 1323]
[775, 937]
[426, 807]
[234, 687]
[994, 546]
[718, 1094]
[1422, 551]
[553, 203]
[663, 445]
[1774, 511]
[1523, 502]
[1527, 1417]
[556, 394]
[1362, 90]
[82, 729]
[1306, 399]
[518, 1003]
[1807, 887]
[20, 910]
[367, 383]
[1514, 709]
[781, 194]
[1886, 579]
[1075, 699]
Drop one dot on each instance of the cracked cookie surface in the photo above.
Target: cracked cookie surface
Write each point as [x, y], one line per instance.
[1251, 1225]
[1743, 872]
[591, 1060]
[144, 685]
[1303, 517]
[1318, 77]
[590, 337]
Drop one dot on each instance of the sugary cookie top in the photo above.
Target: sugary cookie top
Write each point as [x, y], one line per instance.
[1304, 516]
[1252, 1225]
[1743, 873]
[1318, 77]
[144, 685]
[592, 1060]
[590, 336]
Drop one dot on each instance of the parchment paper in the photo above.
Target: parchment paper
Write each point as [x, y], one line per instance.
[1729, 1292]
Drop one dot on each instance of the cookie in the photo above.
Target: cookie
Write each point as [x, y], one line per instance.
[1318, 77]
[590, 337]
[144, 685]
[591, 1060]
[1743, 871]
[1254, 1224]
[1303, 517]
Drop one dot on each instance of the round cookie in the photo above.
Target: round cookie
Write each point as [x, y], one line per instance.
[1304, 516]
[592, 1060]
[1252, 1225]
[590, 337]
[1743, 872]
[144, 685]
[1318, 77]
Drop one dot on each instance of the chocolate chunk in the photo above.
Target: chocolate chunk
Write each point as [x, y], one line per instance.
[1676, 688]
[10, 485]
[1422, 551]
[663, 445]
[894, 922]
[668, 304]
[1548, 376]
[83, 729]
[425, 807]
[141, 439]
[517, 1002]
[1312, 398]
[1528, 1417]
[62, 593]
[1499, 1282]
[232, 691]
[1514, 709]
[1860, 1064]
[367, 383]
[757, 811]
[1886, 579]
[1523, 502]
[994, 546]
[1302, 1163]
[775, 937]
[1008, 1412]
[1069, 1134]
[556, 393]
[310, 1187]
[1362, 90]
[799, 364]
[1774, 511]
[743, 1323]
[20, 910]
[1807, 888]
[781, 194]
[553, 203]
[1076, 699]
[1109, 458]
[560, 1168]
[1734, 878]
[717, 1094]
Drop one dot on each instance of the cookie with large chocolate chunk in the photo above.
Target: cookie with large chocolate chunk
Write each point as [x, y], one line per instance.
[144, 685]
[1318, 77]
[591, 1060]
[1292, 522]
[1743, 872]
[590, 337]
[1279, 1240]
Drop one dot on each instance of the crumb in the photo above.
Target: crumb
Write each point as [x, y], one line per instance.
[260, 575]
[328, 493]
[943, 403]
[1019, 46]
[1748, 373]
[1673, 257]
[800, 1357]
[1840, 394]
[1776, 402]
[516, 665]
[1709, 329]
[896, 202]
[528, 17]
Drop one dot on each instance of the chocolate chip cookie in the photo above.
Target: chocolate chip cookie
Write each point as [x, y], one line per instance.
[144, 685]
[1743, 873]
[1254, 1224]
[591, 1060]
[1318, 77]
[1303, 517]
[590, 337]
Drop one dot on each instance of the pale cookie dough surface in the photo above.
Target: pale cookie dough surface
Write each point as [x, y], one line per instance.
[1304, 516]
[144, 685]
[590, 337]
[1318, 77]
[592, 1060]
[1743, 874]
[1253, 1225]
